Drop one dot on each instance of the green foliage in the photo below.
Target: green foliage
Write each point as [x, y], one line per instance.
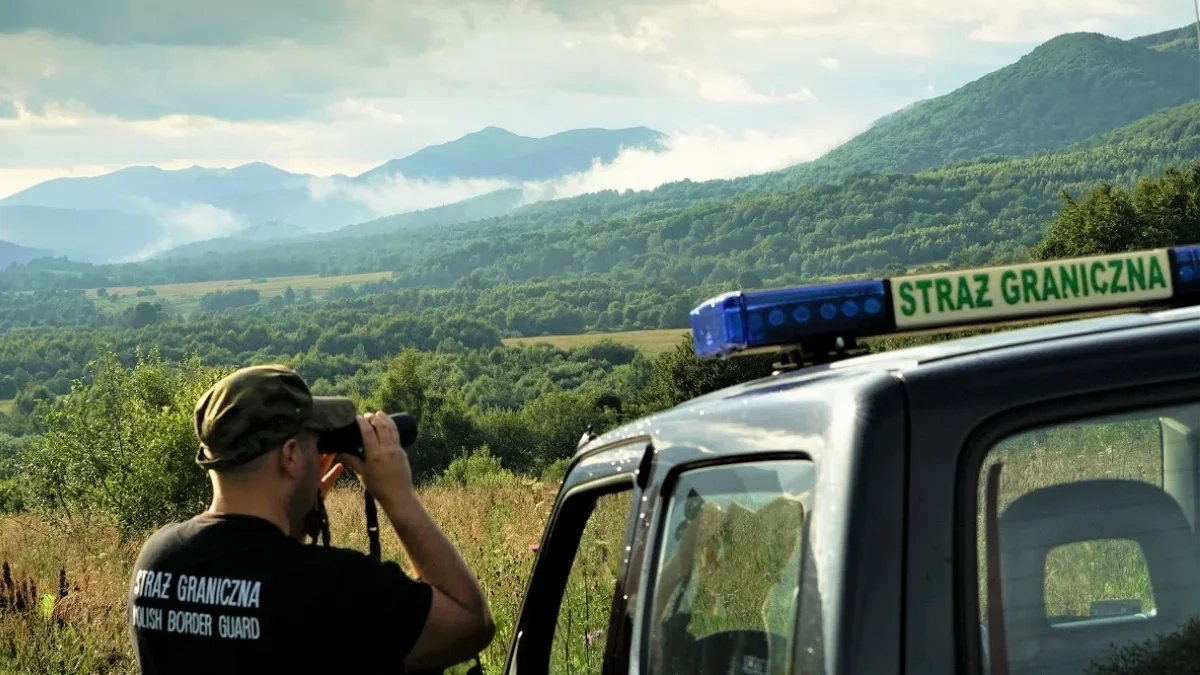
[680, 375]
[479, 468]
[123, 446]
[221, 300]
[1162, 211]
[1175, 653]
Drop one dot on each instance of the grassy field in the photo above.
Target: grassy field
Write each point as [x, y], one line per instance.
[186, 296]
[651, 342]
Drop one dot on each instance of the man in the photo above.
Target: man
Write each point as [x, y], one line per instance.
[235, 590]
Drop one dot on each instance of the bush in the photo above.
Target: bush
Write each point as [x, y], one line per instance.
[479, 468]
[555, 471]
[123, 447]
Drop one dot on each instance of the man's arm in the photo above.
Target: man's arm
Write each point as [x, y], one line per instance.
[460, 623]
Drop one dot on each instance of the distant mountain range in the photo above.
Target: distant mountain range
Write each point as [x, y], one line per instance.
[144, 211]
[1073, 88]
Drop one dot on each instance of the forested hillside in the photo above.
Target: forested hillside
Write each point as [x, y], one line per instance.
[1070, 88]
[966, 212]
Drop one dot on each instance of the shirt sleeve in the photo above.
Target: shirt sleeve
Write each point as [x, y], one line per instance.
[373, 603]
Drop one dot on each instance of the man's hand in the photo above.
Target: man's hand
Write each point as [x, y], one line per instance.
[385, 473]
[329, 474]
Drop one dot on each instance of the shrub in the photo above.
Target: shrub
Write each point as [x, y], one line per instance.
[124, 446]
[479, 468]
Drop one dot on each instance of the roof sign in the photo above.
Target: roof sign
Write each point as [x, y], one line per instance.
[755, 320]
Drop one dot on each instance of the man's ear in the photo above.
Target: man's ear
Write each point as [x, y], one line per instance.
[290, 459]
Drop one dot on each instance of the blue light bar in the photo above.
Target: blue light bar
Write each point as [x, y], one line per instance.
[754, 321]
[747, 320]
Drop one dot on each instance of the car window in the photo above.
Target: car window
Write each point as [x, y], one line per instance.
[727, 571]
[1096, 557]
[582, 623]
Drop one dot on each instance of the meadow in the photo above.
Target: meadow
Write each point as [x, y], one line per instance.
[186, 296]
[649, 342]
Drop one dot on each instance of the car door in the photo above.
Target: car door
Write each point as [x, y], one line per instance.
[574, 595]
[1052, 504]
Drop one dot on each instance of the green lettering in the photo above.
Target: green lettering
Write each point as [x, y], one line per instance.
[1136, 271]
[964, 294]
[908, 304]
[1098, 266]
[1116, 267]
[1029, 282]
[924, 285]
[1049, 286]
[1084, 276]
[981, 299]
[1009, 287]
[1069, 281]
[945, 302]
[1156, 274]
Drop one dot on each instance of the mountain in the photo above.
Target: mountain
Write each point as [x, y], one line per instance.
[255, 236]
[160, 210]
[490, 205]
[500, 154]
[973, 212]
[12, 253]
[1069, 88]
[88, 235]
[1176, 40]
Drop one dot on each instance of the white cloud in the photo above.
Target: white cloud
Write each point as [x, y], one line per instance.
[707, 154]
[187, 222]
[719, 87]
[830, 62]
[703, 154]
[398, 194]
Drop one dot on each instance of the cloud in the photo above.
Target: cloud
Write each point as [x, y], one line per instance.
[830, 62]
[706, 154]
[399, 194]
[719, 87]
[699, 155]
[185, 223]
[214, 23]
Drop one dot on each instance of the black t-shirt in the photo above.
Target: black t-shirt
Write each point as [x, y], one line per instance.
[234, 594]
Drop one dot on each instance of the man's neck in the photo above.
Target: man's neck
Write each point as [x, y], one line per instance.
[273, 513]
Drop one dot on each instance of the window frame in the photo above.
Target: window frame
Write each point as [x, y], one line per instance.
[536, 625]
[641, 634]
[968, 481]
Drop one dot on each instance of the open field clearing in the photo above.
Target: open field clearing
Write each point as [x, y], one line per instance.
[651, 342]
[273, 286]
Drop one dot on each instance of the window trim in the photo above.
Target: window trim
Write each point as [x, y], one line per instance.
[983, 438]
[663, 493]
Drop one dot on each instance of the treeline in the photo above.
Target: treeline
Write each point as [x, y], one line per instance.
[122, 444]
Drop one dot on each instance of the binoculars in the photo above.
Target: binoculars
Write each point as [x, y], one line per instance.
[347, 440]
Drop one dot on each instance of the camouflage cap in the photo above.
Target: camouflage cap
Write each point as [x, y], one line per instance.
[255, 409]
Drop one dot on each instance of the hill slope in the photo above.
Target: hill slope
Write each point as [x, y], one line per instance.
[1068, 89]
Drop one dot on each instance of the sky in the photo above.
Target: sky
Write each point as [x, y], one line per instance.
[339, 86]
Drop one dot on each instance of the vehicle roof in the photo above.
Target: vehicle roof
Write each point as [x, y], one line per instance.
[819, 382]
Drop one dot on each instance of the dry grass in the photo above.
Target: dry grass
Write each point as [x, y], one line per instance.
[494, 528]
[650, 342]
[190, 294]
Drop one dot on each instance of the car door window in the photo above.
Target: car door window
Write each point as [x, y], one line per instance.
[1095, 563]
[727, 569]
[583, 615]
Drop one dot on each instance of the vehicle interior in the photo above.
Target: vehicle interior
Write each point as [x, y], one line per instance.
[1098, 547]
